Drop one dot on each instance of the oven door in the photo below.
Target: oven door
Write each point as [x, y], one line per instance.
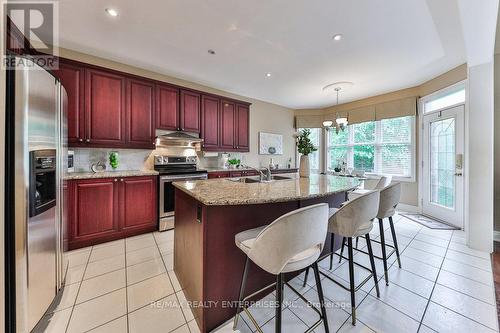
[166, 202]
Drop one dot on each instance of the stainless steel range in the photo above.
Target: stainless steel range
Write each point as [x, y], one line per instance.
[171, 169]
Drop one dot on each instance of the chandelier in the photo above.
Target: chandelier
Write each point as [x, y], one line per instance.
[340, 122]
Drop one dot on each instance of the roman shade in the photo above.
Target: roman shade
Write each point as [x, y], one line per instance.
[398, 108]
[312, 121]
[391, 109]
[361, 115]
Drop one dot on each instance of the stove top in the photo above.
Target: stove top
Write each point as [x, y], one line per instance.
[177, 165]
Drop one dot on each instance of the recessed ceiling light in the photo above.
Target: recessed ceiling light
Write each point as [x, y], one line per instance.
[268, 74]
[211, 51]
[337, 37]
[112, 12]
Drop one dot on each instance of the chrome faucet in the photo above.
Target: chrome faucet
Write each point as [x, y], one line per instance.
[267, 175]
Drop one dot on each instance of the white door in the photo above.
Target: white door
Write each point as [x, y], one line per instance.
[443, 160]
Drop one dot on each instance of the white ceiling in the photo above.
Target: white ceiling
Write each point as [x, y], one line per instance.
[387, 45]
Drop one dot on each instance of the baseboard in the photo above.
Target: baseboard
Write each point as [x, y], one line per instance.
[407, 208]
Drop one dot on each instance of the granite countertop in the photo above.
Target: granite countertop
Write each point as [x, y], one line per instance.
[226, 192]
[110, 174]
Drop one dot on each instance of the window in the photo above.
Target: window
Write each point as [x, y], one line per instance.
[314, 157]
[446, 98]
[376, 147]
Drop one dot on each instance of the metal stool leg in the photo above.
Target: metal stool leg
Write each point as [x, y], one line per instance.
[351, 280]
[305, 277]
[357, 242]
[332, 240]
[242, 293]
[382, 243]
[395, 240]
[342, 249]
[279, 302]
[372, 262]
[320, 295]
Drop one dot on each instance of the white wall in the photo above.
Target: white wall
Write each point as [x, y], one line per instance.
[479, 157]
[497, 144]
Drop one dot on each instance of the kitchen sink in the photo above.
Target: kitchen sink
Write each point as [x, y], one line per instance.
[255, 179]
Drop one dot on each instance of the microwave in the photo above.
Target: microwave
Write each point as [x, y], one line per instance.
[71, 161]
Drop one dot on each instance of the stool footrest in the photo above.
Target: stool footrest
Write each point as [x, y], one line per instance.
[254, 322]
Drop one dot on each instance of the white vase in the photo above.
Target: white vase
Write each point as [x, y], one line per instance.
[304, 170]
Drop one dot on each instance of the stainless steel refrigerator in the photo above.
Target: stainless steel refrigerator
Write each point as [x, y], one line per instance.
[37, 148]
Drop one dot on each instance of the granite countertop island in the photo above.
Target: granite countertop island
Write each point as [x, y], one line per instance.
[230, 192]
[208, 215]
[109, 174]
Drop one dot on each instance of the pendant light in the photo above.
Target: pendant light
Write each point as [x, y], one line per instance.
[340, 122]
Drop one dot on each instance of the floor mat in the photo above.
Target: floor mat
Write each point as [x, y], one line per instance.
[429, 222]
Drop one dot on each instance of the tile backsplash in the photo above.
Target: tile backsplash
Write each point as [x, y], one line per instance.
[128, 159]
[143, 159]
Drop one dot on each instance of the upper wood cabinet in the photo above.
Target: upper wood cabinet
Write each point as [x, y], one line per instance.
[167, 108]
[210, 122]
[228, 117]
[110, 109]
[104, 108]
[242, 128]
[140, 113]
[190, 111]
[73, 80]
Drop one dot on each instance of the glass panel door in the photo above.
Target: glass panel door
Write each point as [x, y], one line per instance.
[442, 152]
[442, 165]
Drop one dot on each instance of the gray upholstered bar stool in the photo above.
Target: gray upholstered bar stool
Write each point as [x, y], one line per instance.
[291, 243]
[353, 219]
[382, 183]
[389, 199]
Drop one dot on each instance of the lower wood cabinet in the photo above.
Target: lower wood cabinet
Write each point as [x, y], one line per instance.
[106, 209]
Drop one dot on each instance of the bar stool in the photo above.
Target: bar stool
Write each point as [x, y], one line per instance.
[353, 219]
[389, 199]
[383, 182]
[291, 243]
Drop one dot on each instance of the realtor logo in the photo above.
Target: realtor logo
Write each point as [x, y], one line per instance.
[32, 31]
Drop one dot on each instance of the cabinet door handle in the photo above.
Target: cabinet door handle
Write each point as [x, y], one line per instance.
[88, 140]
[115, 180]
[80, 140]
[121, 179]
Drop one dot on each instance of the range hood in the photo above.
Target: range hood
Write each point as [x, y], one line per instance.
[179, 140]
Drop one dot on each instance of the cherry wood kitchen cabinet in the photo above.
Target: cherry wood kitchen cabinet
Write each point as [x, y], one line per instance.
[210, 123]
[112, 109]
[167, 108]
[228, 118]
[105, 108]
[73, 80]
[101, 210]
[93, 211]
[242, 128]
[137, 206]
[219, 174]
[190, 120]
[140, 114]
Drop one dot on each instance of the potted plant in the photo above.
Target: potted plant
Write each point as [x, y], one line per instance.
[305, 147]
[234, 163]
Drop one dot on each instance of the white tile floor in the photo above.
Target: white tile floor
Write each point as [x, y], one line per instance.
[443, 286]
